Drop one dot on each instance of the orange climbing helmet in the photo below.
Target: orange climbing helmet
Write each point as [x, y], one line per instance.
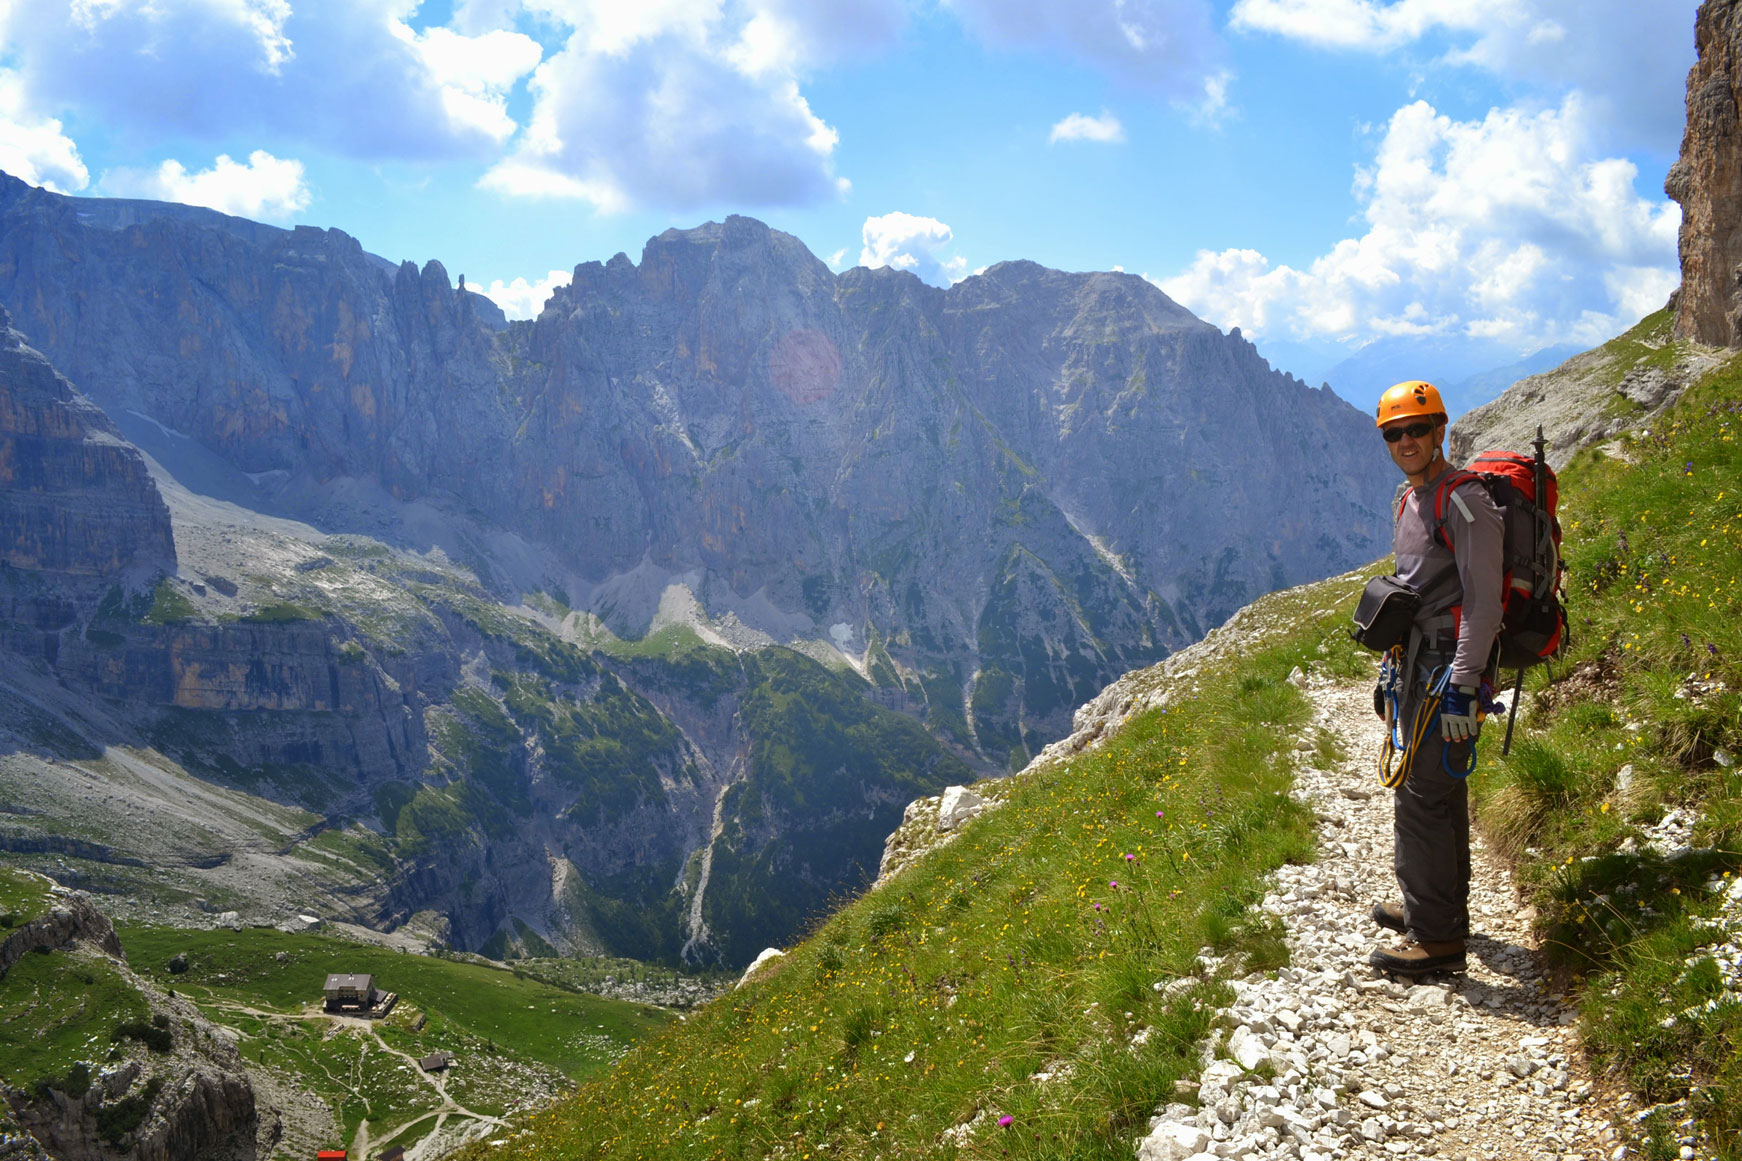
[1408, 399]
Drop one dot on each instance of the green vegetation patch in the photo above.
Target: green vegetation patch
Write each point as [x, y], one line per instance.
[59, 1010]
[1032, 942]
[168, 605]
[832, 772]
[281, 612]
[23, 897]
[1650, 343]
[608, 747]
[438, 818]
[1642, 718]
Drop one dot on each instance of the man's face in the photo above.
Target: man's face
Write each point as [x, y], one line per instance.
[1414, 453]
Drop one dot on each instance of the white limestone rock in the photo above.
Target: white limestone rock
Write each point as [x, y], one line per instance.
[957, 806]
[767, 955]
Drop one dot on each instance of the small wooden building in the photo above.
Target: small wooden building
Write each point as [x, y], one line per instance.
[351, 993]
[436, 1061]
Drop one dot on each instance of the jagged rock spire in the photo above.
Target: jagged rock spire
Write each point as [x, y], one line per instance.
[1707, 181]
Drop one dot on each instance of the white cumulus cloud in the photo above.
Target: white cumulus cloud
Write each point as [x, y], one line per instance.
[1082, 127]
[349, 74]
[1510, 228]
[1629, 55]
[523, 299]
[685, 103]
[267, 188]
[474, 73]
[912, 243]
[1165, 45]
[33, 148]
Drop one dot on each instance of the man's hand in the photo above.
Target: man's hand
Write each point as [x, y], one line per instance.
[1458, 714]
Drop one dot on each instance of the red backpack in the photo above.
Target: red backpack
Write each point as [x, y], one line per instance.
[1533, 620]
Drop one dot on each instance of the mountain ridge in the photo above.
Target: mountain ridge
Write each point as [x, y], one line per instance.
[666, 416]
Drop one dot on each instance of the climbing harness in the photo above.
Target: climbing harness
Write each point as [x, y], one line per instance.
[1395, 755]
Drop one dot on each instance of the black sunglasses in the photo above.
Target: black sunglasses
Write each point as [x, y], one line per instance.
[1413, 431]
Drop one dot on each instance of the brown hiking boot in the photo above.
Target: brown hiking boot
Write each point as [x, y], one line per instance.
[1388, 915]
[1415, 958]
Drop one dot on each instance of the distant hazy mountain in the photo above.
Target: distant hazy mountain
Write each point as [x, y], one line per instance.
[1469, 372]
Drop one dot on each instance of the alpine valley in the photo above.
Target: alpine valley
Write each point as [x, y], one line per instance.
[626, 630]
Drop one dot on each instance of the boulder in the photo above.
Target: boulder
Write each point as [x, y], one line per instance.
[957, 806]
[1173, 1142]
[767, 956]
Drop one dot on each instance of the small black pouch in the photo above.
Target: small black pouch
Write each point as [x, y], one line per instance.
[1384, 614]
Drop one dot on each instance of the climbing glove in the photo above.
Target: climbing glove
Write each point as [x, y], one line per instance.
[1458, 708]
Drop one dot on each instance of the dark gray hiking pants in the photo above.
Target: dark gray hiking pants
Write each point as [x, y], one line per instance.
[1431, 836]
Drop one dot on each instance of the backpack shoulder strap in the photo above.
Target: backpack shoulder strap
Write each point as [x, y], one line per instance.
[1443, 498]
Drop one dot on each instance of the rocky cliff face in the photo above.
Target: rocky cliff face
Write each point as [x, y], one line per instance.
[75, 498]
[1707, 181]
[992, 499]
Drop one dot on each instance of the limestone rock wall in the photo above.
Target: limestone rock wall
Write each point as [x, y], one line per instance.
[1707, 181]
[75, 499]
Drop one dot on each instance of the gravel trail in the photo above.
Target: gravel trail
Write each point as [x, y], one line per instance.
[1479, 1065]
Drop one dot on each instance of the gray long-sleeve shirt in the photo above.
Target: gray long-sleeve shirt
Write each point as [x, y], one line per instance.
[1477, 531]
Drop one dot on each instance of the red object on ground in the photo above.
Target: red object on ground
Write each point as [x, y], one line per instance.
[330, 1155]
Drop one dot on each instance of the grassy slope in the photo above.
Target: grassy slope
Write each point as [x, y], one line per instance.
[1654, 550]
[1009, 951]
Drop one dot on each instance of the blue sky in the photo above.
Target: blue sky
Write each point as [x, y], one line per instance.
[1325, 174]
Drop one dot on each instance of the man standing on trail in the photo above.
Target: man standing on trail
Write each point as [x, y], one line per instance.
[1455, 627]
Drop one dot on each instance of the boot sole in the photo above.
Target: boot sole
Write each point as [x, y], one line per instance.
[1417, 967]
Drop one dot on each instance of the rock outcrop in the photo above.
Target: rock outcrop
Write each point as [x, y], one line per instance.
[1591, 398]
[75, 498]
[1707, 181]
[200, 1107]
[73, 919]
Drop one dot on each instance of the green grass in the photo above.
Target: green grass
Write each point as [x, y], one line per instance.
[23, 897]
[1651, 343]
[672, 641]
[58, 1010]
[488, 1003]
[1639, 719]
[590, 974]
[281, 612]
[168, 605]
[1032, 941]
